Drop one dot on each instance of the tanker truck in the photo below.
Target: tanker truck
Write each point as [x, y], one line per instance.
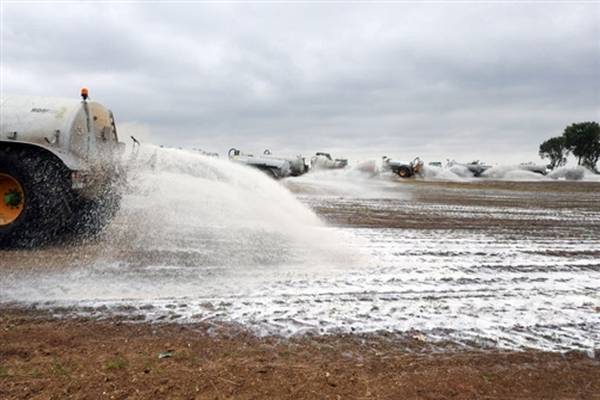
[274, 166]
[402, 169]
[60, 169]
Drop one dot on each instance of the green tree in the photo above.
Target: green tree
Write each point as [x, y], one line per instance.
[555, 150]
[583, 140]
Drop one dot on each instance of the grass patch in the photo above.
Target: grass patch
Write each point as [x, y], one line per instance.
[58, 368]
[4, 372]
[116, 364]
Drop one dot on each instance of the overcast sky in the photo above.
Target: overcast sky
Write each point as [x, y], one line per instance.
[440, 80]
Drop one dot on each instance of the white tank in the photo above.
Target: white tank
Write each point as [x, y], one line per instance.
[80, 133]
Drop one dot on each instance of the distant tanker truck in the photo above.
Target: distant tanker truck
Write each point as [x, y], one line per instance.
[274, 166]
[402, 169]
[60, 168]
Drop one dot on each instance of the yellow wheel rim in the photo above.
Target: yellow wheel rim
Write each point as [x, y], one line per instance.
[12, 199]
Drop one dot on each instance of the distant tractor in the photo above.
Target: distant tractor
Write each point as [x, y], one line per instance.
[60, 168]
[403, 169]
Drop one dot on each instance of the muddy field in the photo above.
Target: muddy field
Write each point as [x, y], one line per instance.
[394, 289]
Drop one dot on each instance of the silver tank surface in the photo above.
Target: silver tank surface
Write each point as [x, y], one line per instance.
[387, 162]
[536, 168]
[278, 167]
[80, 133]
[297, 164]
[249, 159]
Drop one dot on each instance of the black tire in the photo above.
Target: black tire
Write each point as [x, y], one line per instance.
[233, 152]
[91, 216]
[46, 191]
[404, 172]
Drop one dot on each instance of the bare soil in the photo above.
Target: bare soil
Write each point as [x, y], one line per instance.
[46, 358]
[527, 197]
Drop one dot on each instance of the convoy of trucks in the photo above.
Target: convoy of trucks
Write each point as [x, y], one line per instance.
[61, 169]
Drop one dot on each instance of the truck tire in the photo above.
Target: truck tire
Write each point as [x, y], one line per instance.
[404, 172]
[91, 216]
[33, 200]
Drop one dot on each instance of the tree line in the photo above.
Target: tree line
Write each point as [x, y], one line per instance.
[580, 139]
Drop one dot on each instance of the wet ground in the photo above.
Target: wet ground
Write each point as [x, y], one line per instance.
[509, 264]
[493, 264]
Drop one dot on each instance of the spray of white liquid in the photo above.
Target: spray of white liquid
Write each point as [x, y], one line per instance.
[358, 183]
[459, 173]
[456, 173]
[515, 173]
[185, 199]
[189, 226]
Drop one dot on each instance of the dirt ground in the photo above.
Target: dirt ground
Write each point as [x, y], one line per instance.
[46, 358]
[499, 195]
